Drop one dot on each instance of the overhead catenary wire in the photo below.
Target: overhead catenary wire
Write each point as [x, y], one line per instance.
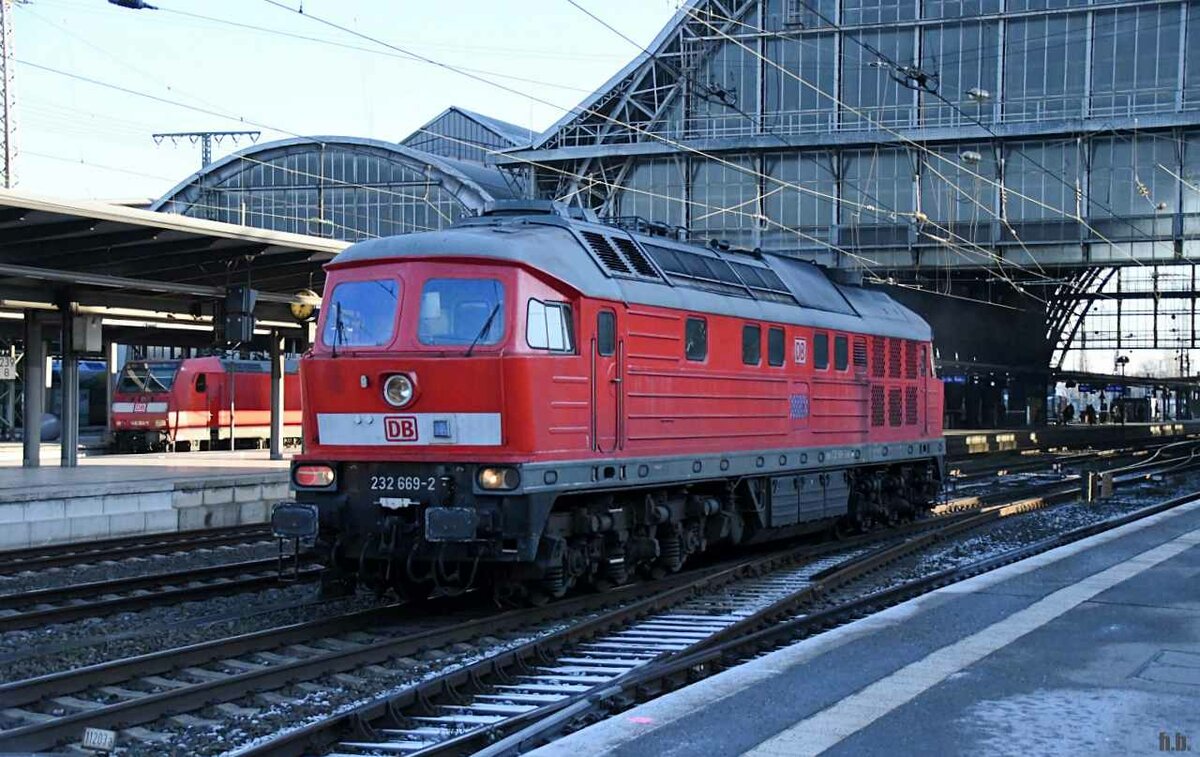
[875, 200]
[867, 262]
[924, 149]
[286, 131]
[569, 110]
[922, 218]
[978, 122]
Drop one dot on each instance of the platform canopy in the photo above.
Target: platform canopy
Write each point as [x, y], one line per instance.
[100, 254]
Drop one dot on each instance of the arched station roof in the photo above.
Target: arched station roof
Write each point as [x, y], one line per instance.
[338, 187]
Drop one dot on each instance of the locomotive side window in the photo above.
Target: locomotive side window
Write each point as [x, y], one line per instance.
[696, 339]
[202, 382]
[751, 344]
[548, 326]
[775, 346]
[841, 353]
[821, 351]
[361, 313]
[606, 333]
[461, 312]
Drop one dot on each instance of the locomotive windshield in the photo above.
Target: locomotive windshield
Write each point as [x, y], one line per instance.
[147, 378]
[461, 312]
[361, 313]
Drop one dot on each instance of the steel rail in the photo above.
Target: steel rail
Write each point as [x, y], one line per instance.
[509, 664]
[357, 726]
[137, 592]
[618, 607]
[709, 659]
[37, 558]
[643, 599]
[753, 637]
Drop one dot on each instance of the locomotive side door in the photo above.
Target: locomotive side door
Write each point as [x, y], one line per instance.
[923, 388]
[606, 348]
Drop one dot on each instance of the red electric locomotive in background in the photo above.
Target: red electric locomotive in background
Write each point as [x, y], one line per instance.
[537, 400]
[199, 403]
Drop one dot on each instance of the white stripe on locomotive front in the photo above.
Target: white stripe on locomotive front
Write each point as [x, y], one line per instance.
[369, 429]
[139, 407]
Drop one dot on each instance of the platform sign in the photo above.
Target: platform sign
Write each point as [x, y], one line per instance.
[8, 368]
[1115, 389]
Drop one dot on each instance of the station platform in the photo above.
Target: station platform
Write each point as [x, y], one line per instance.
[125, 495]
[963, 443]
[1092, 648]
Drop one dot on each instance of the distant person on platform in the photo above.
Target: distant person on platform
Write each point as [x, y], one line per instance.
[1068, 413]
[1089, 414]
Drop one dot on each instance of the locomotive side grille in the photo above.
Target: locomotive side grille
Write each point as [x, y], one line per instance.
[895, 407]
[604, 250]
[895, 346]
[860, 353]
[877, 357]
[910, 406]
[636, 258]
[910, 361]
[877, 406]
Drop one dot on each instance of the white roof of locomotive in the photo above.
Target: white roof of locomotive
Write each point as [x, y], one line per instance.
[552, 243]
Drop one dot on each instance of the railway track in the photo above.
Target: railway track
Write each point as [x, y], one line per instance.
[140, 690]
[501, 709]
[968, 471]
[461, 711]
[59, 555]
[685, 611]
[58, 605]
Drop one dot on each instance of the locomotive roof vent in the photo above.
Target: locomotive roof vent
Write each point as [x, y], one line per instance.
[619, 255]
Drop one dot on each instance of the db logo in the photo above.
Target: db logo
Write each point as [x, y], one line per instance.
[400, 428]
[139, 407]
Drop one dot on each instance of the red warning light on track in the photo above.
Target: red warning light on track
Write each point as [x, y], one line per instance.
[400, 428]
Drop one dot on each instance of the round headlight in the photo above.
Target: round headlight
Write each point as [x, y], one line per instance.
[398, 390]
[499, 478]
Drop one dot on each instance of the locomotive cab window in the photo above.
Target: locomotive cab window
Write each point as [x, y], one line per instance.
[361, 313]
[775, 346]
[461, 312]
[751, 344]
[606, 333]
[147, 378]
[696, 339]
[841, 353]
[821, 351]
[202, 382]
[548, 326]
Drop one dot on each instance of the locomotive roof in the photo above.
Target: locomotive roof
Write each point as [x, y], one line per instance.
[612, 263]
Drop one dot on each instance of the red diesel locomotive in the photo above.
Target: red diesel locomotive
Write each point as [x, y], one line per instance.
[199, 403]
[534, 399]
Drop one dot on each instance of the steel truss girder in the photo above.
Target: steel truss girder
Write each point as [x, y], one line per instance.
[654, 86]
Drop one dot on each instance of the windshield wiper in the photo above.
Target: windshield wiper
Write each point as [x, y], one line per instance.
[339, 328]
[487, 325]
